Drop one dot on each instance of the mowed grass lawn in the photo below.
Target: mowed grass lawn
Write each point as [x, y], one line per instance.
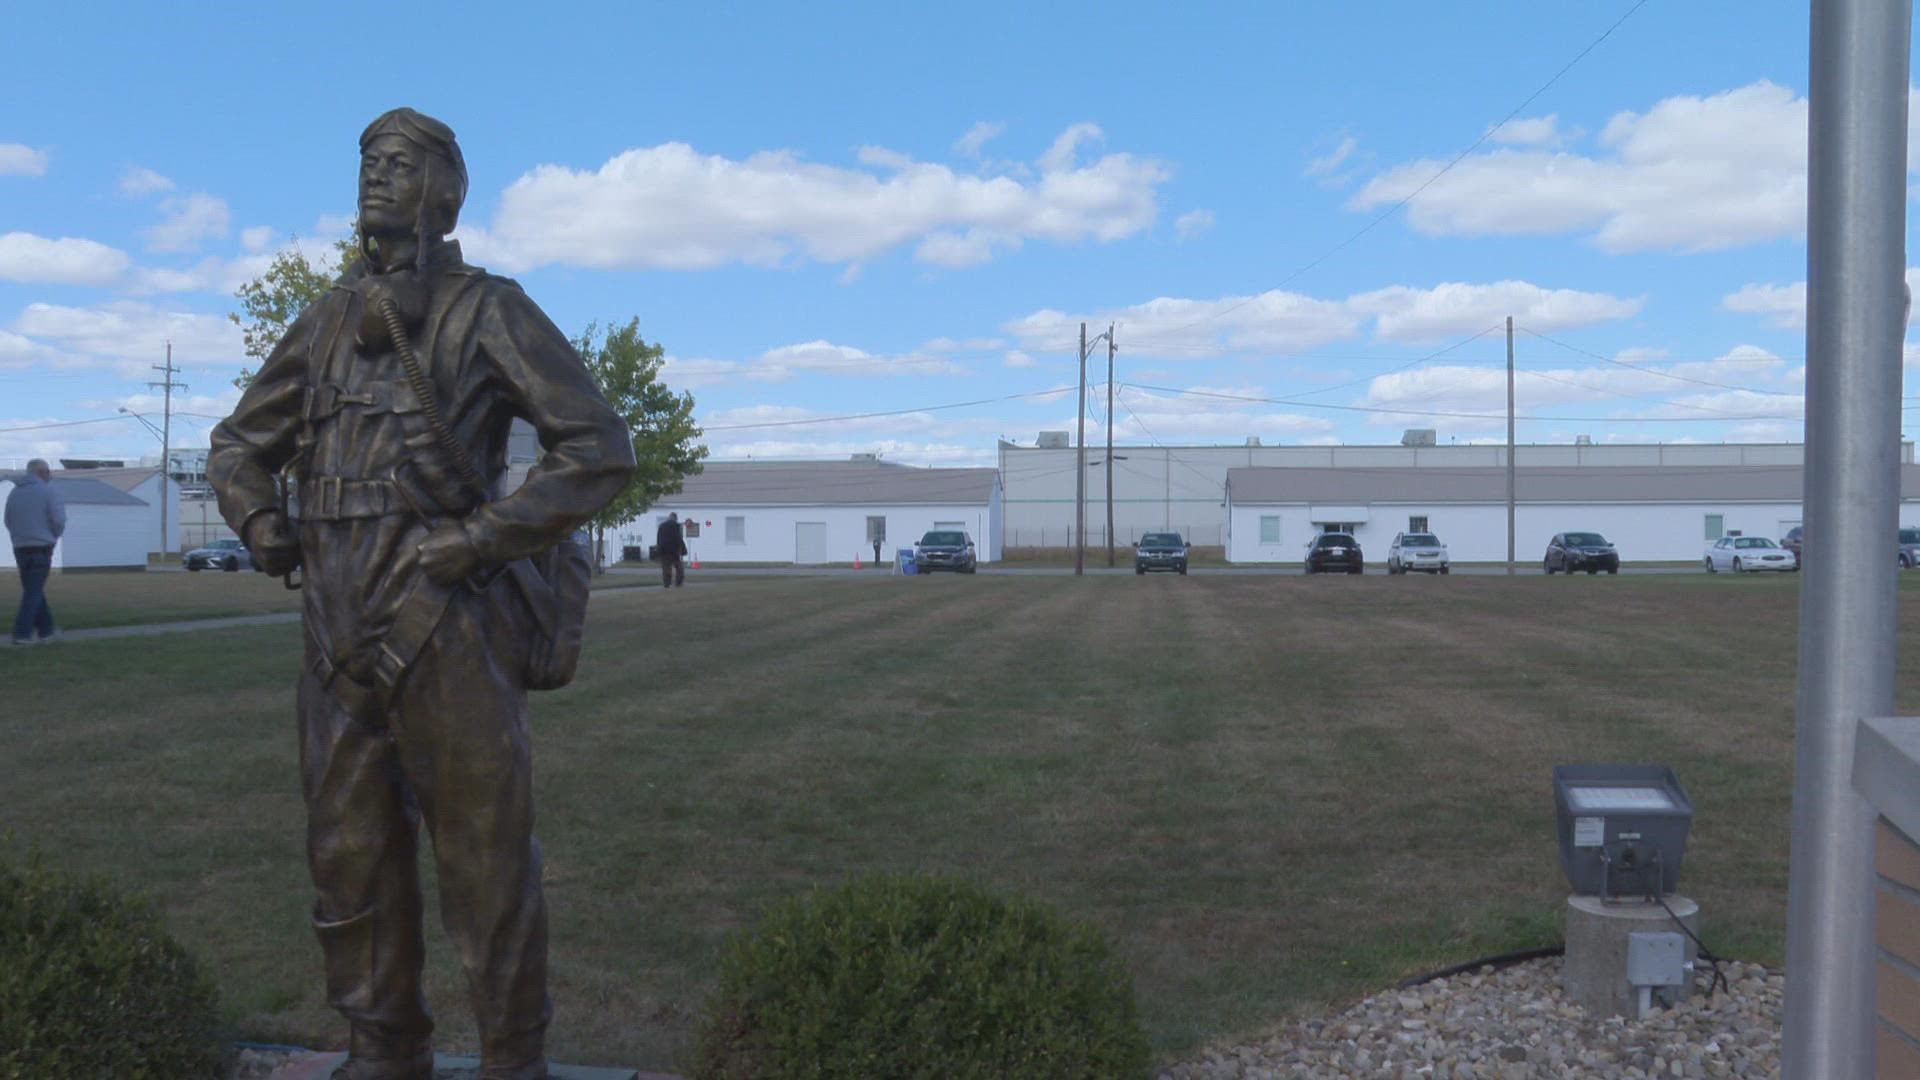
[1276, 792]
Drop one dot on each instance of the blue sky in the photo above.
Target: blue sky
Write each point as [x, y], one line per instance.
[826, 210]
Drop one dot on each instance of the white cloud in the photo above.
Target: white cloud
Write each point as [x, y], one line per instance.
[1785, 306]
[257, 237]
[1017, 359]
[1270, 320]
[1751, 382]
[1282, 321]
[1537, 131]
[1454, 309]
[1193, 223]
[671, 207]
[140, 180]
[947, 344]
[128, 335]
[189, 220]
[18, 160]
[1323, 166]
[1149, 416]
[35, 260]
[977, 136]
[1639, 354]
[1690, 174]
[806, 358]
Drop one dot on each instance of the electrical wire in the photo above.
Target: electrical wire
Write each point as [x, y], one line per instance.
[1655, 371]
[1457, 415]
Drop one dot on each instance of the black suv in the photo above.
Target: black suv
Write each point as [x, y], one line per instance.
[1160, 551]
[1791, 542]
[944, 549]
[1335, 552]
[1581, 551]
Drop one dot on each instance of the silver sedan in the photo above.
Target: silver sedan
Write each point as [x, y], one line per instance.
[1748, 554]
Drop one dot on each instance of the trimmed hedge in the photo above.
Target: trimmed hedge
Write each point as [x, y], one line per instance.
[919, 977]
[92, 986]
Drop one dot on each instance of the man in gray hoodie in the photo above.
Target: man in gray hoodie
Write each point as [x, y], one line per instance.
[36, 516]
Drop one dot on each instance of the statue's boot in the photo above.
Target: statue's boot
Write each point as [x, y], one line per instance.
[417, 1067]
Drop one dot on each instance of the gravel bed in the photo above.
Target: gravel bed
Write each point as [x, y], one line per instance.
[1514, 1024]
[1509, 1024]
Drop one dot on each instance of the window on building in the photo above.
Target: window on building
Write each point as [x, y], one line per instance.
[876, 529]
[736, 530]
[693, 529]
[1339, 526]
[1716, 526]
[1417, 523]
[1269, 528]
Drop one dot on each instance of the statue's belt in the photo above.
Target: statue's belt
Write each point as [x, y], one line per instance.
[335, 498]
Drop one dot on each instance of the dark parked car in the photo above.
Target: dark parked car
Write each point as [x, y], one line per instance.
[228, 555]
[1909, 548]
[1791, 542]
[944, 549]
[1335, 552]
[1581, 551]
[1160, 551]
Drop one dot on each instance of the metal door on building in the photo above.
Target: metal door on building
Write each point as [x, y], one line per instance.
[809, 542]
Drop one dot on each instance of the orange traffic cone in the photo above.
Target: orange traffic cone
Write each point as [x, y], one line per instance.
[696, 562]
[856, 560]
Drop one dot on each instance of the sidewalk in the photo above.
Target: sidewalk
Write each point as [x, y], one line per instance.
[144, 629]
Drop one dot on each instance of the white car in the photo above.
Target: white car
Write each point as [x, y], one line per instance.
[1417, 551]
[1748, 554]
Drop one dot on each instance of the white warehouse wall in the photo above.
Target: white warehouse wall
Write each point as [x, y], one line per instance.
[1477, 532]
[772, 534]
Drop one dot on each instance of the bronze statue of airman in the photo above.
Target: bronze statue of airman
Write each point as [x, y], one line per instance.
[368, 454]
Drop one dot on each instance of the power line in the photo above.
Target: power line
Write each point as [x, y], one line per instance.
[1437, 412]
[1654, 371]
[1429, 182]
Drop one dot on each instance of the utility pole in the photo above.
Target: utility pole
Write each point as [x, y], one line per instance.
[1857, 90]
[1080, 471]
[1510, 567]
[166, 385]
[1110, 351]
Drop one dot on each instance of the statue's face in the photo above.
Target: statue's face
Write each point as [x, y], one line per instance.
[392, 183]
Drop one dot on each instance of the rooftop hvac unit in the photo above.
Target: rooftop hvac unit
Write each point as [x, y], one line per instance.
[1052, 440]
[1583, 440]
[1253, 440]
[869, 458]
[1419, 436]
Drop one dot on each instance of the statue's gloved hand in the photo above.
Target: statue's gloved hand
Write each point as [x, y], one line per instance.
[448, 555]
[274, 547]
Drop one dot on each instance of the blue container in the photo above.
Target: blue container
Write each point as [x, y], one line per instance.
[904, 559]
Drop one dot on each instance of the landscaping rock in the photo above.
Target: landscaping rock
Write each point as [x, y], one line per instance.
[1515, 1024]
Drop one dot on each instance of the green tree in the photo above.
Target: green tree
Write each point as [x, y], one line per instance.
[665, 438]
[272, 301]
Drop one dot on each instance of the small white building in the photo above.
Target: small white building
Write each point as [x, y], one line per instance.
[814, 512]
[1663, 513]
[113, 518]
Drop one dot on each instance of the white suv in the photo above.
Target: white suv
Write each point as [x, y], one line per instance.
[1417, 551]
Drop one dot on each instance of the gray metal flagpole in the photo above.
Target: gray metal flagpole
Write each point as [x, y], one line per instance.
[1856, 262]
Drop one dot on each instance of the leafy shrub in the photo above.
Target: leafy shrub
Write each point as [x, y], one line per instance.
[918, 977]
[91, 985]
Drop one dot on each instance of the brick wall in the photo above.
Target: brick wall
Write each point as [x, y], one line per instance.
[1897, 929]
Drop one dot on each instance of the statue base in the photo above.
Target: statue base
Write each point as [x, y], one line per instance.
[318, 1066]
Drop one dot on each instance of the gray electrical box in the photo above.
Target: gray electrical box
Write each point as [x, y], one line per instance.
[1656, 959]
[1623, 828]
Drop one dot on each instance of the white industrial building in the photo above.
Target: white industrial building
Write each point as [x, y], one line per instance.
[814, 512]
[113, 518]
[1183, 488]
[1658, 513]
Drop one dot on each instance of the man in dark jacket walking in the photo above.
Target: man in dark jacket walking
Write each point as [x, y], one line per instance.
[671, 543]
[36, 517]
